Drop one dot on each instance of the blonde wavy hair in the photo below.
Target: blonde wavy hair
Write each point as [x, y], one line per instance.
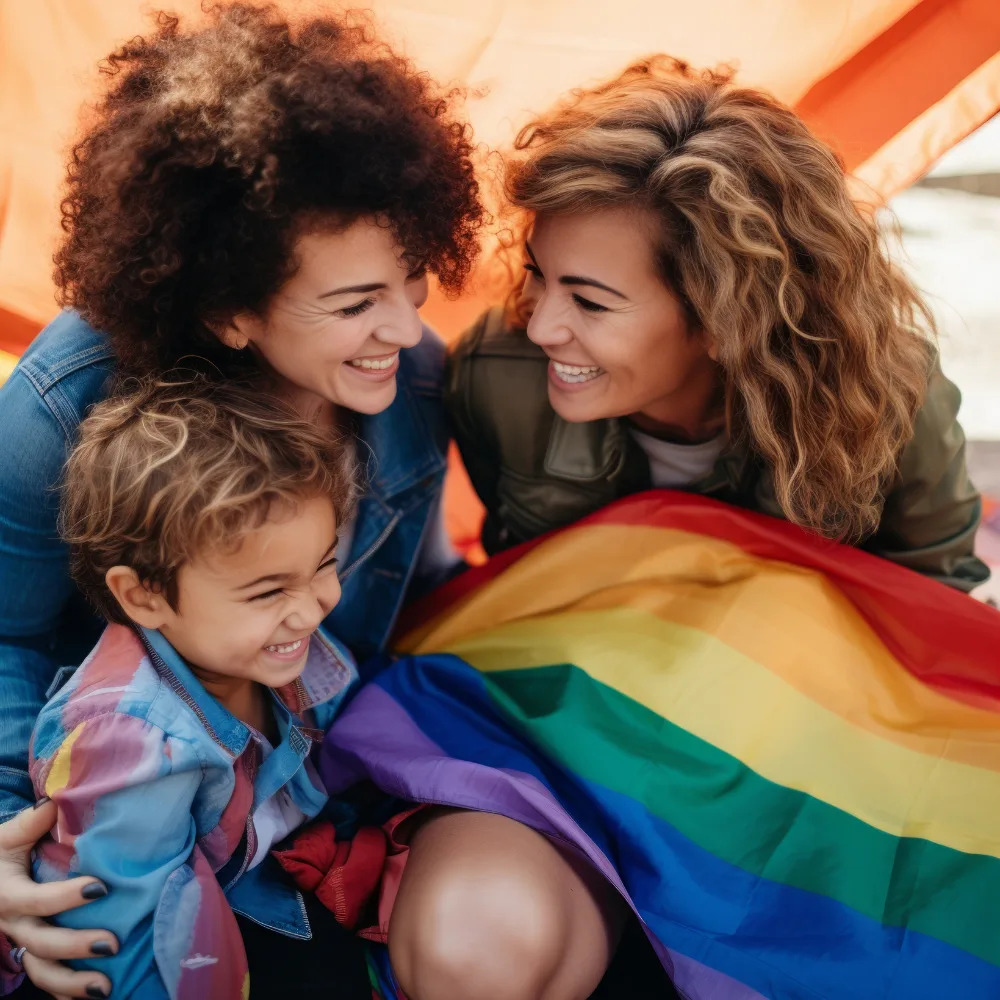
[825, 346]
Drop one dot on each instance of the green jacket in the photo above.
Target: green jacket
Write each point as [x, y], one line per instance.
[535, 471]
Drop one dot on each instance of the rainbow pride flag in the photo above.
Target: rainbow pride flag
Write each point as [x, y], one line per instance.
[784, 753]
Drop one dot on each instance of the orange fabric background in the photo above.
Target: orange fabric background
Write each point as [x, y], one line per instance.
[892, 84]
[862, 72]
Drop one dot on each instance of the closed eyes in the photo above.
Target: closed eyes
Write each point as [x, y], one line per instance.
[586, 304]
[268, 594]
[349, 312]
[356, 310]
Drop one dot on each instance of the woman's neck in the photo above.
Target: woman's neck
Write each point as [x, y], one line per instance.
[692, 415]
[308, 405]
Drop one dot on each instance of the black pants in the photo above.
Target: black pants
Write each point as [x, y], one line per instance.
[635, 972]
[331, 966]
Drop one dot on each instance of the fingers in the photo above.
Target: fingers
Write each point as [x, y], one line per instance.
[59, 943]
[19, 895]
[20, 833]
[22, 901]
[22, 897]
[62, 981]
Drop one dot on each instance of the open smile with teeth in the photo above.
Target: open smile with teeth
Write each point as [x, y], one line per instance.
[576, 373]
[375, 364]
[287, 647]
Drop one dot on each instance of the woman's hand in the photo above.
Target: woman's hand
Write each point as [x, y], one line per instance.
[24, 904]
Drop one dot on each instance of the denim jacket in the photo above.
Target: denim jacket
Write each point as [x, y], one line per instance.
[44, 622]
[156, 784]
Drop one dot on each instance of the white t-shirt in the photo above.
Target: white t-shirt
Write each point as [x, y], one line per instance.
[672, 465]
[277, 816]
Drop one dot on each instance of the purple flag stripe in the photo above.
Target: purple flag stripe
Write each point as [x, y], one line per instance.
[376, 738]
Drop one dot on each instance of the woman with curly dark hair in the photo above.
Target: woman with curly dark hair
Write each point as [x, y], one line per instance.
[255, 198]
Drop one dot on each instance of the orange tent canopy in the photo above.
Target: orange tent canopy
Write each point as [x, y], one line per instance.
[891, 84]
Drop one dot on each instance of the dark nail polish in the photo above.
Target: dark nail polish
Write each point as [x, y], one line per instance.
[103, 948]
[96, 890]
[42, 801]
[96, 992]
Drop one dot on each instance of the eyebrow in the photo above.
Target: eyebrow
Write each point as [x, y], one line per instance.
[574, 280]
[280, 577]
[355, 289]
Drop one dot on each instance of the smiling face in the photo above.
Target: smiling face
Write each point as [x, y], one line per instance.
[247, 614]
[333, 332]
[618, 338]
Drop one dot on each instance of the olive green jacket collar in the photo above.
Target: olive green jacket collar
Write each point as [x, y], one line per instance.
[605, 451]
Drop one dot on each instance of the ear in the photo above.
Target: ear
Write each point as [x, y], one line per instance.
[711, 345]
[236, 333]
[418, 290]
[144, 606]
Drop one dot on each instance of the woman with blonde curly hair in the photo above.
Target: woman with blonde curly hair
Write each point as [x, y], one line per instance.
[705, 308]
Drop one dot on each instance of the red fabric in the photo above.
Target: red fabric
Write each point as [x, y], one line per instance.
[346, 875]
[343, 874]
[945, 638]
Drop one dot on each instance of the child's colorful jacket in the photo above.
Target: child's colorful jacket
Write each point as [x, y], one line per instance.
[156, 785]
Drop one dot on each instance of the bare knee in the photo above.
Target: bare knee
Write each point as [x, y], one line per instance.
[489, 910]
[476, 935]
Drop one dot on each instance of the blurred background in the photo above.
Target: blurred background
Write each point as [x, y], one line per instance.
[907, 92]
[950, 243]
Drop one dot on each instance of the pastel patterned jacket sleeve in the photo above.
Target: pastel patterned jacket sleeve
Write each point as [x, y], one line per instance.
[125, 791]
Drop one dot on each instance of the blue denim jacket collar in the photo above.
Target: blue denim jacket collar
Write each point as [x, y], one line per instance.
[328, 676]
[405, 446]
[405, 465]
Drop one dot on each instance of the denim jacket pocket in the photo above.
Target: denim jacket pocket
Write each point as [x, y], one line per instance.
[268, 897]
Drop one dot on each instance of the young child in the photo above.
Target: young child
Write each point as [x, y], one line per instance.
[202, 521]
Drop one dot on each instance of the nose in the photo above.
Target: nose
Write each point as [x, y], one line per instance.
[309, 610]
[548, 326]
[400, 324]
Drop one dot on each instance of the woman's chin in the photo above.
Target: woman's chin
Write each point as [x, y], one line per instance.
[369, 400]
[577, 407]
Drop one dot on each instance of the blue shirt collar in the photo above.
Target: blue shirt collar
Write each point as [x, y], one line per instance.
[329, 672]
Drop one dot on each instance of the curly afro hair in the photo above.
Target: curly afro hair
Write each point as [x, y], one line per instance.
[214, 147]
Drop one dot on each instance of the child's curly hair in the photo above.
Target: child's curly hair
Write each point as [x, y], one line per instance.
[216, 146]
[171, 468]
